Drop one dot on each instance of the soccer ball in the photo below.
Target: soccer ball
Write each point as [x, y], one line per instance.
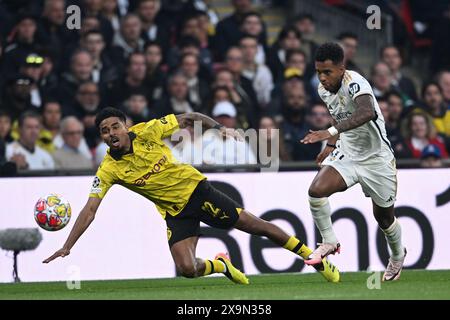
[52, 212]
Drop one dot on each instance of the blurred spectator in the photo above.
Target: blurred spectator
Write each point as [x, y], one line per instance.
[431, 157]
[419, 132]
[155, 78]
[381, 79]
[85, 107]
[395, 112]
[198, 87]
[136, 107]
[152, 30]
[435, 106]
[81, 67]
[104, 72]
[253, 24]
[384, 107]
[294, 109]
[221, 150]
[244, 105]
[305, 24]
[443, 79]
[269, 133]
[128, 40]
[176, 101]
[228, 29]
[349, 42]
[318, 119]
[258, 74]
[22, 41]
[69, 156]
[51, 118]
[289, 38]
[25, 152]
[391, 56]
[110, 11]
[5, 126]
[32, 67]
[135, 73]
[53, 25]
[93, 8]
[17, 95]
[234, 62]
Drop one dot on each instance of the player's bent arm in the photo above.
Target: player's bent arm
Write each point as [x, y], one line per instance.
[187, 120]
[365, 111]
[86, 216]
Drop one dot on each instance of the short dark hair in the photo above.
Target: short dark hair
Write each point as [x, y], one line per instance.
[330, 51]
[28, 114]
[293, 52]
[108, 113]
[347, 34]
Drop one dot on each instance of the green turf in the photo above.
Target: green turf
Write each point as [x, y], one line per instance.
[413, 285]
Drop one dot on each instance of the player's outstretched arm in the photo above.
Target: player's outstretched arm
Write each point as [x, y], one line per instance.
[83, 221]
[365, 111]
[188, 119]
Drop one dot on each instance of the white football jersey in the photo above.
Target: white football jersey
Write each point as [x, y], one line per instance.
[367, 140]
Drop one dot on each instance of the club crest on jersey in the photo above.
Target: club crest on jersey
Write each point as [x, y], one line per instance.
[353, 88]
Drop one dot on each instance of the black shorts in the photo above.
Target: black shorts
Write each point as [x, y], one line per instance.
[208, 205]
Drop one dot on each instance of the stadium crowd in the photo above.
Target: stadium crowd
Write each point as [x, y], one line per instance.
[150, 58]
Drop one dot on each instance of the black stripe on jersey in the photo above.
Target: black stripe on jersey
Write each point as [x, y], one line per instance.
[381, 135]
[340, 158]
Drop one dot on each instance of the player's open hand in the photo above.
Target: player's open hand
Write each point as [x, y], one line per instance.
[60, 253]
[316, 136]
[231, 133]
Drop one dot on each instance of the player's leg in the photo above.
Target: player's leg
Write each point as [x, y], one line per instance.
[249, 223]
[334, 177]
[393, 234]
[190, 266]
[183, 231]
[379, 181]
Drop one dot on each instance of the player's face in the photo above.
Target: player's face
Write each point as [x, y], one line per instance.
[330, 74]
[114, 133]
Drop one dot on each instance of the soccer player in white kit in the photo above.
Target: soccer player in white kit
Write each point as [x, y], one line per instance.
[357, 151]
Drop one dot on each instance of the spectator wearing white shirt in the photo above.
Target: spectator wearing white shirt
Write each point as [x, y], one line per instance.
[219, 150]
[258, 74]
[24, 152]
[70, 155]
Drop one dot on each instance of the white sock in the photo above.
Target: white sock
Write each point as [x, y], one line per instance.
[321, 212]
[393, 236]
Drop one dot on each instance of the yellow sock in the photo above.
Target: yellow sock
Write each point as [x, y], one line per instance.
[213, 266]
[297, 247]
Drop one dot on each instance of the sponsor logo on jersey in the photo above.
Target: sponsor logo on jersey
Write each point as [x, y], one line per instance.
[353, 88]
[155, 169]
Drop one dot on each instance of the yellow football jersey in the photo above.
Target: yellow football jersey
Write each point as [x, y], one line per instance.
[150, 169]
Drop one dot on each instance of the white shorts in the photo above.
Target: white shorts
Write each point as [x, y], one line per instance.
[377, 176]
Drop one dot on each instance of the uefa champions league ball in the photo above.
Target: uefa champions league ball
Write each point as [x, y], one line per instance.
[52, 212]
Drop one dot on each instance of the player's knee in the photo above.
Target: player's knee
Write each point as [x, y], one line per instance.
[317, 190]
[187, 269]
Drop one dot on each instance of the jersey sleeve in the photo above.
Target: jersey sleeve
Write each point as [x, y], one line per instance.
[162, 127]
[358, 86]
[103, 181]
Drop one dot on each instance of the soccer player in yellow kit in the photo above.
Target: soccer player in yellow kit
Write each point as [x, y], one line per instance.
[139, 160]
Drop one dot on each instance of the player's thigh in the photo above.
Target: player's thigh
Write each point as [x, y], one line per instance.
[378, 179]
[181, 227]
[216, 209]
[337, 174]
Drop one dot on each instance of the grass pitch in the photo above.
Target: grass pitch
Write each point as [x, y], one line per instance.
[414, 284]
